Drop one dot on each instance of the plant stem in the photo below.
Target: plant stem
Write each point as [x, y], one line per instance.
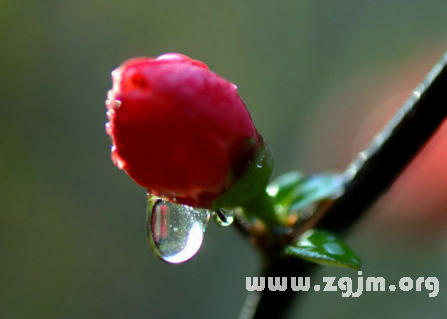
[380, 164]
[367, 177]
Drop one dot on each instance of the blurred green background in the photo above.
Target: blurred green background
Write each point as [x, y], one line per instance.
[313, 74]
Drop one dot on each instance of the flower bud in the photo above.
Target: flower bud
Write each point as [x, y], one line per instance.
[178, 129]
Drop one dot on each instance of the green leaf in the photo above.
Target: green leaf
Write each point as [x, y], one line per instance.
[293, 192]
[252, 184]
[324, 248]
[249, 192]
[315, 189]
[283, 187]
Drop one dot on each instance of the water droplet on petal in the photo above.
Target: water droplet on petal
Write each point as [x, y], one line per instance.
[109, 128]
[224, 217]
[176, 231]
[172, 57]
[110, 114]
[116, 159]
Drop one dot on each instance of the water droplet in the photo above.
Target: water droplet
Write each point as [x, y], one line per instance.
[110, 113]
[176, 231]
[109, 128]
[116, 159]
[224, 217]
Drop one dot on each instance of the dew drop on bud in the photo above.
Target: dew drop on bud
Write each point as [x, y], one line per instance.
[116, 159]
[224, 217]
[108, 129]
[175, 231]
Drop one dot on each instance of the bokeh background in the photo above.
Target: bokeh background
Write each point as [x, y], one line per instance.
[320, 77]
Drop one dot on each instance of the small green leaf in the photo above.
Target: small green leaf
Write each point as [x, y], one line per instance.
[251, 184]
[283, 187]
[324, 248]
[315, 189]
[249, 191]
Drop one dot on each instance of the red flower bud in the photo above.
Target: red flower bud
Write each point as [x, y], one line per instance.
[178, 129]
